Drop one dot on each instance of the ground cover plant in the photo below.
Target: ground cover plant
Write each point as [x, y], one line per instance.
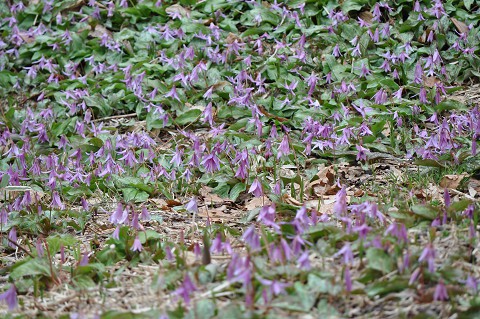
[239, 159]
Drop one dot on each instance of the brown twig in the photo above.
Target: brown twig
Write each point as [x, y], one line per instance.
[114, 117]
[20, 247]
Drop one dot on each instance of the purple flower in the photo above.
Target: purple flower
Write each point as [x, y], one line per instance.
[267, 216]
[185, 289]
[364, 71]
[256, 188]
[251, 238]
[440, 293]
[84, 261]
[380, 97]
[303, 262]
[472, 283]
[415, 276]
[169, 254]
[56, 201]
[10, 297]
[406, 262]
[173, 94]
[211, 163]
[137, 245]
[276, 287]
[340, 206]
[12, 236]
[399, 231]
[177, 157]
[348, 279]
[116, 233]
[145, 215]
[428, 255]
[39, 248]
[418, 74]
[423, 95]
[346, 252]
[192, 205]
[120, 215]
[362, 153]
[284, 148]
[446, 197]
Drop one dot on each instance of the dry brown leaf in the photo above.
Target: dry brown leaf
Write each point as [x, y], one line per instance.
[386, 130]
[332, 190]
[99, 32]
[358, 193]
[257, 202]
[452, 181]
[461, 27]
[231, 37]
[325, 205]
[176, 8]
[27, 37]
[473, 187]
[430, 81]
[210, 197]
[320, 186]
[366, 16]
[423, 38]
[217, 214]
[419, 193]
[290, 200]
[172, 203]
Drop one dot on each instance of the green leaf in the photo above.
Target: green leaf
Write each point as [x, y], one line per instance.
[56, 241]
[468, 3]
[148, 234]
[5, 180]
[132, 182]
[188, 117]
[459, 206]
[450, 105]
[429, 162]
[134, 195]
[31, 267]
[83, 282]
[427, 212]
[379, 260]
[237, 190]
[204, 308]
[327, 285]
[222, 190]
[385, 287]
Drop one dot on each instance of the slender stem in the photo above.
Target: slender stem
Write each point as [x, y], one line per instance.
[20, 247]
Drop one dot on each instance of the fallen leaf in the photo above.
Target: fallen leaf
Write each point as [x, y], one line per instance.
[423, 38]
[100, 31]
[172, 203]
[231, 37]
[452, 181]
[358, 193]
[290, 200]
[176, 8]
[218, 214]
[27, 36]
[419, 193]
[366, 16]
[473, 187]
[461, 27]
[321, 185]
[325, 204]
[430, 81]
[332, 190]
[210, 197]
[257, 202]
